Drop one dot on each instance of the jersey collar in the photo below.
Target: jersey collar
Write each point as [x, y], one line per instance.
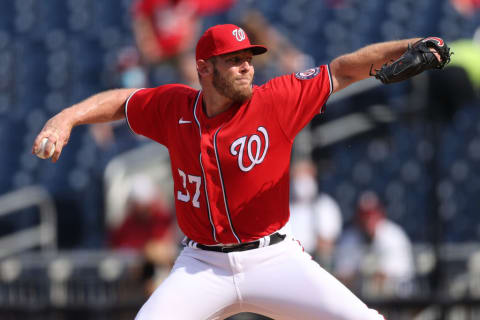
[218, 120]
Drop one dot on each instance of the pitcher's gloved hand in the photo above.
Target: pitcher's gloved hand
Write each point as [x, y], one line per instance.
[425, 54]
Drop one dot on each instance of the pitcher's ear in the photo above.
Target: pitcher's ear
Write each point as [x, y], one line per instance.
[204, 68]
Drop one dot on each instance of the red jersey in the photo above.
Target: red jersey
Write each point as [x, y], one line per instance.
[137, 230]
[231, 171]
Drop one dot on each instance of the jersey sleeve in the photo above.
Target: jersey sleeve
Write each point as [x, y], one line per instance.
[298, 97]
[148, 112]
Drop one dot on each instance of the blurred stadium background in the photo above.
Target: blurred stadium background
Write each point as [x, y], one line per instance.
[54, 262]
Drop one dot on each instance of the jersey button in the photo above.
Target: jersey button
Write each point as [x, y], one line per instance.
[210, 152]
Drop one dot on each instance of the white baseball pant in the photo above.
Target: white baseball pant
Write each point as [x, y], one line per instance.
[279, 281]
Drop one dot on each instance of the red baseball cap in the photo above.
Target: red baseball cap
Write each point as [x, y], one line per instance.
[222, 39]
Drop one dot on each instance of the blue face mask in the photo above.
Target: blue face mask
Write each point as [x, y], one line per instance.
[134, 77]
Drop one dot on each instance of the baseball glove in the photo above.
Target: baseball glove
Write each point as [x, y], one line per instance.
[415, 60]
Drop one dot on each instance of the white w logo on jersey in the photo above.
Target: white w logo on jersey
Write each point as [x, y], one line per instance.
[255, 158]
[239, 34]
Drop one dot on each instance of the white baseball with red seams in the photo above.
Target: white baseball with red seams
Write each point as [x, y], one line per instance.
[231, 186]
[46, 149]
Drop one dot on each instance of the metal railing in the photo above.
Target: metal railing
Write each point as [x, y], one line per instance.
[44, 234]
[151, 159]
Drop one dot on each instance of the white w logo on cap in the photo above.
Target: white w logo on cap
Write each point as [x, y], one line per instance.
[239, 34]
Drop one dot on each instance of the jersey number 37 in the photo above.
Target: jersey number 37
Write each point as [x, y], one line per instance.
[185, 195]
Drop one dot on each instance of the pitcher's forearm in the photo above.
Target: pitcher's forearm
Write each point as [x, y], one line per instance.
[356, 66]
[376, 55]
[102, 107]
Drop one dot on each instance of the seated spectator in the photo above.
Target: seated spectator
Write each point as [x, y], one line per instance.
[166, 31]
[148, 227]
[376, 248]
[316, 218]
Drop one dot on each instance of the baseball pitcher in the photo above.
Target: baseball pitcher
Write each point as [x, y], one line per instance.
[230, 146]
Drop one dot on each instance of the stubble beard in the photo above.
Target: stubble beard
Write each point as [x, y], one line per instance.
[227, 88]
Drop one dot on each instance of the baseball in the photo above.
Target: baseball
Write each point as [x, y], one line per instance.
[46, 149]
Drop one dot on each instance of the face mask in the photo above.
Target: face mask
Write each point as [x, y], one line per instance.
[134, 78]
[305, 188]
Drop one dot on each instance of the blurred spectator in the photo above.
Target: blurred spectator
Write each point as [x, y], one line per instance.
[376, 247]
[129, 68]
[148, 227]
[316, 218]
[166, 31]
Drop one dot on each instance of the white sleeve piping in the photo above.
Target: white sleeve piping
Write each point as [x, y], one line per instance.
[126, 106]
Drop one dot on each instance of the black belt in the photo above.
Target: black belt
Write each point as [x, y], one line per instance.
[274, 238]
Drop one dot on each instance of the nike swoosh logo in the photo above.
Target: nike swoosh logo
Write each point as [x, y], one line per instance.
[181, 121]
